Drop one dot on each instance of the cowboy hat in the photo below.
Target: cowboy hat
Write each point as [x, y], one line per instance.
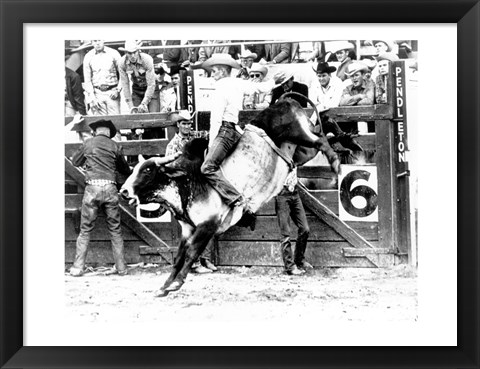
[247, 54]
[388, 43]
[131, 46]
[356, 66]
[259, 68]
[282, 77]
[340, 45]
[324, 68]
[371, 64]
[181, 115]
[175, 69]
[220, 59]
[104, 123]
[387, 56]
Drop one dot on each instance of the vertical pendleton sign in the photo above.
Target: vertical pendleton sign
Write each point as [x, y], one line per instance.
[187, 92]
[400, 159]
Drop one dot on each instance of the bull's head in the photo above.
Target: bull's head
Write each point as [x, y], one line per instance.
[152, 181]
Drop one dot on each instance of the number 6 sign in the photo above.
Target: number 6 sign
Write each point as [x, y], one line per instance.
[358, 193]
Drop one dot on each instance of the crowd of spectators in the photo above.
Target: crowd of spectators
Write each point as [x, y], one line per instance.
[144, 76]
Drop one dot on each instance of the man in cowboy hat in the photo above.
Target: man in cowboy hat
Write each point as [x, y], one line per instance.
[102, 157]
[139, 66]
[341, 49]
[327, 95]
[224, 129]
[257, 100]
[383, 61]
[100, 72]
[382, 46]
[246, 61]
[361, 91]
[328, 92]
[184, 122]
[285, 83]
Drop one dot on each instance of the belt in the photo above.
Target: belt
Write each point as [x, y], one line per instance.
[105, 87]
[100, 182]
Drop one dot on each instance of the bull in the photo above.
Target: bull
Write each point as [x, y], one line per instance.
[275, 140]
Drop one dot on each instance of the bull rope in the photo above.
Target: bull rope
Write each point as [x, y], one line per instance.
[260, 132]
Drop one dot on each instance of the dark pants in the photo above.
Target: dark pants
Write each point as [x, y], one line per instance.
[94, 198]
[289, 205]
[223, 144]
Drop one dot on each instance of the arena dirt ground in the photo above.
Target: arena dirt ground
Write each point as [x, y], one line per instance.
[251, 293]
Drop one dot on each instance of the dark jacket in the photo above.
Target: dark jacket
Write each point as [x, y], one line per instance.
[297, 87]
[103, 157]
[75, 91]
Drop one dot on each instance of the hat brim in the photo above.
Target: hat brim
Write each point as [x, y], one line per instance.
[357, 70]
[108, 124]
[128, 51]
[288, 76]
[327, 70]
[209, 63]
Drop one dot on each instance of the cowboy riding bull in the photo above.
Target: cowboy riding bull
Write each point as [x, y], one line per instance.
[278, 138]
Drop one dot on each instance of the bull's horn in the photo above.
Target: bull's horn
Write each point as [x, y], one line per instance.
[141, 159]
[166, 159]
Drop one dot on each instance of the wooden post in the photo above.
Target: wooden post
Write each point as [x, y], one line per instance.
[386, 205]
[400, 162]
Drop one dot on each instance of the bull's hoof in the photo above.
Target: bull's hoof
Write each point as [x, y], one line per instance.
[175, 286]
[161, 293]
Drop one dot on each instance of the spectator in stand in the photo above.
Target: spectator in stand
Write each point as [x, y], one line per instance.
[74, 95]
[137, 68]
[100, 71]
[278, 53]
[382, 46]
[361, 91]
[257, 100]
[168, 98]
[258, 49]
[175, 76]
[206, 51]
[329, 92]
[170, 57]
[381, 80]
[191, 54]
[285, 83]
[341, 50]
[246, 61]
[318, 53]
[328, 96]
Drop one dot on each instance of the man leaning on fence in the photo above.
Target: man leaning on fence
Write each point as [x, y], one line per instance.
[102, 157]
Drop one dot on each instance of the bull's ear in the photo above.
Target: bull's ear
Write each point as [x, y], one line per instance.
[173, 172]
[141, 159]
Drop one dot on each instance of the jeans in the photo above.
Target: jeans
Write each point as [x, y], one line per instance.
[223, 144]
[94, 198]
[289, 205]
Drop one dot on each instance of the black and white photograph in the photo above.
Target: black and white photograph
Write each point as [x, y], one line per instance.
[269, 191]
[241, 179]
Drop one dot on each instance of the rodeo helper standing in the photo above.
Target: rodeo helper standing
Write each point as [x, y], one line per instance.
[101, 156]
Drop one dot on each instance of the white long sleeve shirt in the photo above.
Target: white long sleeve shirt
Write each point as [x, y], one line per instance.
[228, 100]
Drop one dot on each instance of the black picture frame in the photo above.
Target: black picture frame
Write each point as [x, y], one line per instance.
[466, 14]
